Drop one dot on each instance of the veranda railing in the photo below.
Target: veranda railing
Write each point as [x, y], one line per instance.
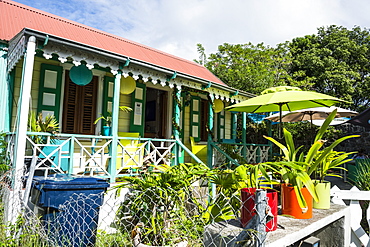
[232, 153]
[92, 155]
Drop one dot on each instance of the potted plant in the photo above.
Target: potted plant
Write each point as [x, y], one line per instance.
[321, 161]
[331, 160]
[250, 178]
[107, 124]
[298, 168]
[48, 124]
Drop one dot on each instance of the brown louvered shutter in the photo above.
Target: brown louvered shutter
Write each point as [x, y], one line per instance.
[79, 110]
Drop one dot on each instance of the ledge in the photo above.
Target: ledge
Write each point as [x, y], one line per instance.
[297, 229]
[331, 226]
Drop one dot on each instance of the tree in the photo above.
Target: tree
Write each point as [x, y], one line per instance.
[335, 61]
[248, 67]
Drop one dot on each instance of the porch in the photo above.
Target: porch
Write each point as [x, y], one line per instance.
[96, 155]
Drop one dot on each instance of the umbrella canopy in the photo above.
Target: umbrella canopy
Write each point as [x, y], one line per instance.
[336, 121]
[310, 114]
[363, 119]
[284, 98]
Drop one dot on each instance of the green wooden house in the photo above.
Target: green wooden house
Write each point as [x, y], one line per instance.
[56, 67]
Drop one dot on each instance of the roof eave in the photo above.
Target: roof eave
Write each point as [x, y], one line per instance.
[121, 58]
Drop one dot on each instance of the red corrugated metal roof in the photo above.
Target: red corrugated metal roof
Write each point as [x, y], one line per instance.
[15, 16]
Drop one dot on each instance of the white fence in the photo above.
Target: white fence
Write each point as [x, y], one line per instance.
[354, 198]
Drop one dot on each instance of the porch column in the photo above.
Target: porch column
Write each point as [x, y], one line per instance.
[23, 110]
[176, 123]
[210, 133]
[113, 150]
[4, 90]
[234, 121]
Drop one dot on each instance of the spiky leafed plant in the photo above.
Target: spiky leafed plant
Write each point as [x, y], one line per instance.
[298, 167]
[48, 124]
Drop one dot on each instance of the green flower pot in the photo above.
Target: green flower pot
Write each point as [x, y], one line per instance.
[323, 192]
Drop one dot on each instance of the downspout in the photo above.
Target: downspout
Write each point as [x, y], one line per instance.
[4, 89]
[23, 108]
[113, 150]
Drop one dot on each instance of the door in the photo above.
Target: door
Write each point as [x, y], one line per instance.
[156, 113]
[79, 107]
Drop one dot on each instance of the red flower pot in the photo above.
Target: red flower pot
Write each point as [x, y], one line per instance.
[248, 207]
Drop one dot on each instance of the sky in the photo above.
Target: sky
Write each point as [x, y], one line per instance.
[177, 26]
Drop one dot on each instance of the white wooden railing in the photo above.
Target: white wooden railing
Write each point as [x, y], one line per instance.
[91, 155]
[354, 198]
[251, 153]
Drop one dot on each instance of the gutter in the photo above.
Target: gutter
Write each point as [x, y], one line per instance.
[121, 58]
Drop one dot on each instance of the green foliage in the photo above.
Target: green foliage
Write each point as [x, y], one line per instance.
[157, 204]
[331, 160]
[104, 239]
[249, 67]
[108, 118]
[4, 155]
[298, 166]
[362, 174]
[49, 124]
[334, 61]
[18, 234]
[225, 203]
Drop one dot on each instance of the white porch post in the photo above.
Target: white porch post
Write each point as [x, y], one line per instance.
[23, 109]
[115, 111]
[14, 198]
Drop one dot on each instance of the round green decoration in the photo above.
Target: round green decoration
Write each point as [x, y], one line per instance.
[80, 75]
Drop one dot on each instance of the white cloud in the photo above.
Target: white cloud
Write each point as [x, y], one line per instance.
[176, 26]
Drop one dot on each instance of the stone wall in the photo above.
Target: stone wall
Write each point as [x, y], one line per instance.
[354, 144]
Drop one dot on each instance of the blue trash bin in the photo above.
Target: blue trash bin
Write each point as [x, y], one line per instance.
[69, 207]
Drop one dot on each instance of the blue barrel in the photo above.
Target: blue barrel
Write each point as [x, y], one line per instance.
[70, 207]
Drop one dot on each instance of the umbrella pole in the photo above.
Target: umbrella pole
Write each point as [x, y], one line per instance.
[280, 119]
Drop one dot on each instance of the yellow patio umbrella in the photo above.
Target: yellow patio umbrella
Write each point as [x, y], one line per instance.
[284, 98]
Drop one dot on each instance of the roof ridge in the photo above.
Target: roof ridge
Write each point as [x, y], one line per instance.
[59, 18]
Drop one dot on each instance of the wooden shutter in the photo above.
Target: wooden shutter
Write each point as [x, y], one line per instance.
[108, 90]
[49, 90]
[221, 125]
[79, 110]
[195, 118]
[138, 101]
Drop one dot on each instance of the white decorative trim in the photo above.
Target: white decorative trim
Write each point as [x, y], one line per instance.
[76, 63]
[17, 48]
[156, 77]
[77, 56]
